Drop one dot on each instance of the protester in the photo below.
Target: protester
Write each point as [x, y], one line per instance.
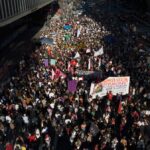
[47, 104]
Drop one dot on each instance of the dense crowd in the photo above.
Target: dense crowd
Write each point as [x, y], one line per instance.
[37, 112]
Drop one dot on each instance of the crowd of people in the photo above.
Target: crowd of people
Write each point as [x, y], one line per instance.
[37, 111]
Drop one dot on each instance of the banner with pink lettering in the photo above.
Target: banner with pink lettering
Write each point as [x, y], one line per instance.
[117, 85]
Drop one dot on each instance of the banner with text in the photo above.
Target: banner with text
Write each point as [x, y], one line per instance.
[82, 72]
[117, 85]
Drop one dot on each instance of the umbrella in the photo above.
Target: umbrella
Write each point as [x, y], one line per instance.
[73, 62]
[46, 41]
[67, 27]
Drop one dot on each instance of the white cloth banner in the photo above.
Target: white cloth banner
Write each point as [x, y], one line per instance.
[99, 52]
[117, 85]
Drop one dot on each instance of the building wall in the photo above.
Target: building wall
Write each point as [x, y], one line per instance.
[148, 4]
[11, 10]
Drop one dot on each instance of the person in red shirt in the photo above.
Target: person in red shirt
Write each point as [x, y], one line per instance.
[9, 146]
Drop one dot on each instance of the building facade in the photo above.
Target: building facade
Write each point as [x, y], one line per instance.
[11, 10]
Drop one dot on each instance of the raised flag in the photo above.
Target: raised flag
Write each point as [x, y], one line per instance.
[99, 52]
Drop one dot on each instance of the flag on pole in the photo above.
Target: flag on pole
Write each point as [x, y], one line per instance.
[99, 52]
[78, 33]
[77, 55]
[62, 74]
[53, 74]
[69, 66]
[99, 63]
[89, 64]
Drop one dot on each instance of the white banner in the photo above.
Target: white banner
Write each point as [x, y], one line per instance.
[81, 72]
[117, 85]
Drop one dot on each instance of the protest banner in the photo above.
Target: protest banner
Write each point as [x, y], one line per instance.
[72, 85]
[117, 85]
[81, 72]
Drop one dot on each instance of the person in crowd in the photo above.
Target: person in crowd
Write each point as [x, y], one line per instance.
[37, 111]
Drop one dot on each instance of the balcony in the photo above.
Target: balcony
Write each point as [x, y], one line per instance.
[12, 10]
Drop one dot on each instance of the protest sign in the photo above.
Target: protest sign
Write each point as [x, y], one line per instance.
[45, 61]
[117, 85]
[72, 85]
[53, 61]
